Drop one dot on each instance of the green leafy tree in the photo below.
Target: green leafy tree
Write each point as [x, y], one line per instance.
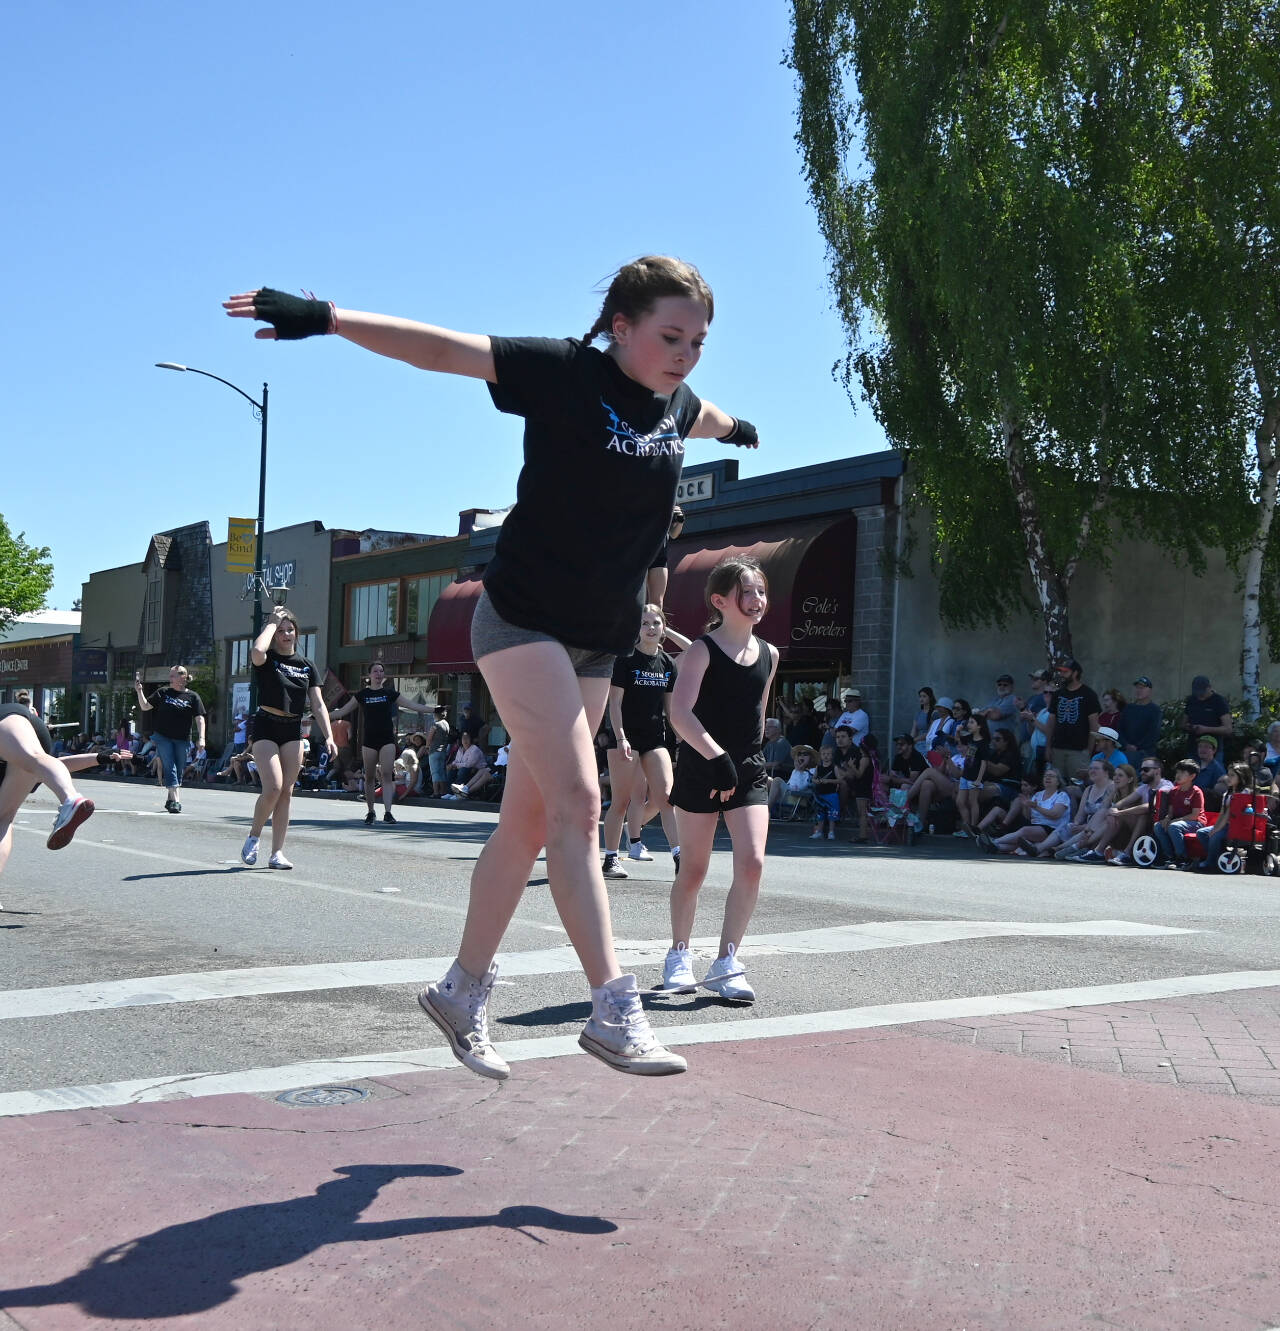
[26, 575]
[991, 184]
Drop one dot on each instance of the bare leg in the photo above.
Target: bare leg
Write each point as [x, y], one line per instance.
[552, 717]
[387, 767]
[369, 757]
[20, 748]
[697, 833]
[748, 829]
[623, 774]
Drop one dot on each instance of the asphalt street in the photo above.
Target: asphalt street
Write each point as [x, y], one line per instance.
[141, 897]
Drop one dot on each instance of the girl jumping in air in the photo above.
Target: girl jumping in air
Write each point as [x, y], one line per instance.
[718, 711]
[288, 685]
[603, 439]
[378, 703]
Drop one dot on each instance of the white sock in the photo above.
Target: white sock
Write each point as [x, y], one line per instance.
[675, 850]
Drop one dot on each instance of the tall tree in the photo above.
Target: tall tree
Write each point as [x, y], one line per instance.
[990, 182]
[26, 574]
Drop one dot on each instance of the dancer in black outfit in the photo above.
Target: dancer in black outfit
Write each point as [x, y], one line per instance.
[288, 685]
[378, 703]
[718, 711]
[604, 439]
[25, 745]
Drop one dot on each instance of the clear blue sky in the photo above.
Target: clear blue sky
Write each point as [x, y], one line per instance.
[481, 167]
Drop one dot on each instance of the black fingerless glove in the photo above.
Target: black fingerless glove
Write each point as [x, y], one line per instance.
[292, 317]
[743, 434]
[104, 760]
[724, 775]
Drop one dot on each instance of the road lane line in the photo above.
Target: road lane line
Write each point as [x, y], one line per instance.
[196, 1085]
[297, 880]
[200, 986]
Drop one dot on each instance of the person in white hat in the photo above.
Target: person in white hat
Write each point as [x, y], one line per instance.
[1106, 745]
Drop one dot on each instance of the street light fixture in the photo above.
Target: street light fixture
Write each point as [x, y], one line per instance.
[260, 411]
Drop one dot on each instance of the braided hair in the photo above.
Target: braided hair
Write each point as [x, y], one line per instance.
[637, 286]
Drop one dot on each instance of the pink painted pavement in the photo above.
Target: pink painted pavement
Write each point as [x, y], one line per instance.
[896, 1178]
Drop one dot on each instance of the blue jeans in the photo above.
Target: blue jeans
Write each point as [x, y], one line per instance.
[1171, 839]
[173, 758]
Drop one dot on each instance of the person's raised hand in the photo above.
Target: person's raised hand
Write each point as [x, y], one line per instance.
[290, 317]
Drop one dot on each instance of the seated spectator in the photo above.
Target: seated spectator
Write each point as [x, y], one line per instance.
[934, 783]
[787, 793]
[469, 771]
[1096, 798]
[1001, 713]
[1241, 778]
[854, 715]
[1129, 818]
[1272, 760]
[1211, 775]
[1112, 706]
[1003, 772]
[1048, 810]
[800, 721]
[907, 764]
[1124, 782]
[1000, 820]
[199, 757]
[1205, 713]
[777, 752]
[972, 761]
[920, 726]
[1182, 812]
[1140, 722]
[1106, 745]
[942, 725]
[846, 764]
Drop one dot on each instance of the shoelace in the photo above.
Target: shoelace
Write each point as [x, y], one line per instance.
[629, 1012]
[478, 1008]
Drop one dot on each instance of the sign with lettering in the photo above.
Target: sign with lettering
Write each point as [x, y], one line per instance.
[694, 489]
[283, 574]
[242, 545]
[89, 665]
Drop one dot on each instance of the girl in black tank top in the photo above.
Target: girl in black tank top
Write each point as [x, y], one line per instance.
[718, 711]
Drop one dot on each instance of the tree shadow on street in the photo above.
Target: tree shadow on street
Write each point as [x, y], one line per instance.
[194, 1266]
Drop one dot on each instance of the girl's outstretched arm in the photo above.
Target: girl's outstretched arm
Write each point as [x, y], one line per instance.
[419, 344]
[712, 423]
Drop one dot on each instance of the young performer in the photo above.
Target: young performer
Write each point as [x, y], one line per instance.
[378, 703]
[288, 685]
[638, 699]
[604, 438]
[175, 707]
[717, 709]
[25, 745]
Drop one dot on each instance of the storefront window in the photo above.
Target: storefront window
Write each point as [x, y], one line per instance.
[239, 653]
[151, 616]
[421, 595]
[373, 611]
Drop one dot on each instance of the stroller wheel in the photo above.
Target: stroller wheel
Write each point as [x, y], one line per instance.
[1145, 851]
[1230, 862]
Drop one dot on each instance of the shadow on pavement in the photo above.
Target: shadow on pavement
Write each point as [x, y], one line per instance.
[192, 1267]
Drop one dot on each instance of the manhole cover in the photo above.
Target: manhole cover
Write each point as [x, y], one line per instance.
[323, 1095]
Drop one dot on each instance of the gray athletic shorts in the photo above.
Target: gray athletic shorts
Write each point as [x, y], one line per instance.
[491, 633]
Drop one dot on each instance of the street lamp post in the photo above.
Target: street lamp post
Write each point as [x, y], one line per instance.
[260, 410]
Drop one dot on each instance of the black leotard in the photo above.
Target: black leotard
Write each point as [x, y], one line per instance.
[645, 682]
[377, 716]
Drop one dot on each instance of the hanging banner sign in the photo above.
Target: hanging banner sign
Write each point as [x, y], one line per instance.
[242, 545]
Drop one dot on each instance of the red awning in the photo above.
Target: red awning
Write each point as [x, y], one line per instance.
[449, 629]
[809, 567]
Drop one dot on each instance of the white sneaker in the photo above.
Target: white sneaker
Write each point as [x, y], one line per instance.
[459, 1008]
[249, 851]
[728, 979]
[816, 834]
[618, 1032]
[831, 834]
[71, 813]
[612, 869]
[637, 851]
[278, 861]
[677, 972]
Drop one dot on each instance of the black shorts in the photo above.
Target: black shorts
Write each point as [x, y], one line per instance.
[692, 786]
[279, 730]
[646, 741]
[378, 740]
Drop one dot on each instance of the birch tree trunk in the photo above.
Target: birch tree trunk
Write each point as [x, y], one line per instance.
[1268, 475]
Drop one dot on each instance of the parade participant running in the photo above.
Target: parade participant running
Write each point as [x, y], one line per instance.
[25, 746]
[378, 703]
[176, 707]
[604, 439]
[717, 709]
[288, 685]
[638, 700]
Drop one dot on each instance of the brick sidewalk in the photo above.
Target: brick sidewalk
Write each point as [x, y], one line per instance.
[1226, 1044]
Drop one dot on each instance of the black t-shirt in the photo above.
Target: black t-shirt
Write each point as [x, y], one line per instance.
[645, 681]
[804, 730]
[908, 764]
[602, 458]
[825, 779]
[1072, 730]
[1206, 711]
[175, 709]
[378, 712]
[283, 682]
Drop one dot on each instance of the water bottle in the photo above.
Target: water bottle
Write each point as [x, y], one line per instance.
[932, 831]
